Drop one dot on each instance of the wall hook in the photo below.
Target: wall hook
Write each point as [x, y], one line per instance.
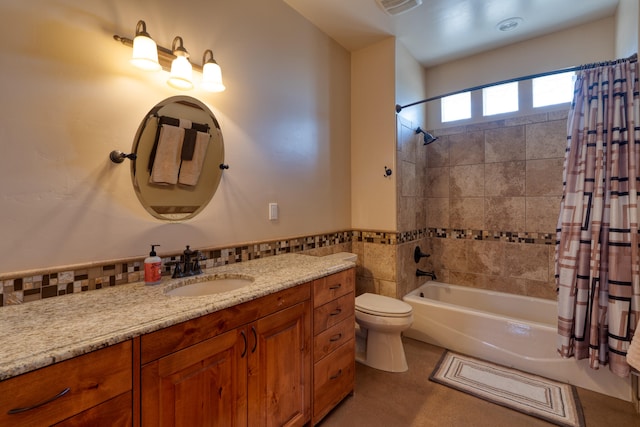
[387, 172]
[223, 166]
[118, 156]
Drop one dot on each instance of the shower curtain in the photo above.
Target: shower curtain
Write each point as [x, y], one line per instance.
[597, 258]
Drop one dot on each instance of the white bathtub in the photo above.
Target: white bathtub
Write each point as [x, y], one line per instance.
[511, 330]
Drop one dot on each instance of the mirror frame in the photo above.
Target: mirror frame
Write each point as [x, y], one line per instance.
[176, 202]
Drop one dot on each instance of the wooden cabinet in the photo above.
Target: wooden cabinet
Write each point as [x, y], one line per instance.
[280, 368]
[333, 341]
[93, 389]
[246, 365]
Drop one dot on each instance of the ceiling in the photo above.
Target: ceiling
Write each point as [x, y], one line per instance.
[439, 31]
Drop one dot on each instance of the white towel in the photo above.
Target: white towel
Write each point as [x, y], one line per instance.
[633, 353]
[185, 123]
[191, 169]
[167, 162]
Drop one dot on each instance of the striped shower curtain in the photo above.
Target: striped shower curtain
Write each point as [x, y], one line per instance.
[597, 257]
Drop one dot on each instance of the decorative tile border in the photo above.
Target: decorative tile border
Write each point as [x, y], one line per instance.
[502, 236]
[57, 282]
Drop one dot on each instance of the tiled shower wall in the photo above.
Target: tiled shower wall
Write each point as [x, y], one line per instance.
[483, 201]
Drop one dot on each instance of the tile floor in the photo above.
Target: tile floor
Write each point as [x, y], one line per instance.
[409, 399]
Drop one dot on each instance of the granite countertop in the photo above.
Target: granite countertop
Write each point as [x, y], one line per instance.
[40, 333]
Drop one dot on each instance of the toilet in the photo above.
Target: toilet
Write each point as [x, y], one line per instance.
[380, 321]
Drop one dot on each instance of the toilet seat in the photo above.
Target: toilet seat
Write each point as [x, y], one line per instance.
[379, 305]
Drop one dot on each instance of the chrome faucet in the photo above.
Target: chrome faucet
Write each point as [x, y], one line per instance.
[431, 274]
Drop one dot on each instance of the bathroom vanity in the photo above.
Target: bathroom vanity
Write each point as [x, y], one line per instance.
[278, 352]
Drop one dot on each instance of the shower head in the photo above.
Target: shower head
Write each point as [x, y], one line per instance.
[428, 138]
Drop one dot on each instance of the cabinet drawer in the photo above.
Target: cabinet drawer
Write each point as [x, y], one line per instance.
[327, 341]
[333, 379]
[90, 380]
[331, 287]
[169, 340]
[333, 313]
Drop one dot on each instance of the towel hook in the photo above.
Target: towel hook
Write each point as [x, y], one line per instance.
[118, 156]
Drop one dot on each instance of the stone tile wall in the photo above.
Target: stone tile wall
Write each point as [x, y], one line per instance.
[483, 200]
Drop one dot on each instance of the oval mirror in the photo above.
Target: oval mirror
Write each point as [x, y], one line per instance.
[179, 157]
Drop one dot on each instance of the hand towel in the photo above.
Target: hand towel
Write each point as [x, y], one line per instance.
[633, 353]
[189, 144]
[166, 165]
[191, 169]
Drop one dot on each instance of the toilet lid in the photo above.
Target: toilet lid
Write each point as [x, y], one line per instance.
[380, 305]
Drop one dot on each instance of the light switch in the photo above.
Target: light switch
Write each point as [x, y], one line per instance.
[273, 211]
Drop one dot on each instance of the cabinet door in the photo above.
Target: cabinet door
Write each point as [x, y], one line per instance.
[280, 368]
[201, 385]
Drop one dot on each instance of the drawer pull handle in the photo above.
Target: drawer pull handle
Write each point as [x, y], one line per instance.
[335, 312]
[37, 405]
[336, 337]
[333, 377]
[334, 287]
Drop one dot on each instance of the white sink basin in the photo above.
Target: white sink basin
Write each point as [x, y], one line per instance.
[210, 286]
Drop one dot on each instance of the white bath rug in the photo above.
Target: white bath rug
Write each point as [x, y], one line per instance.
[552, 401]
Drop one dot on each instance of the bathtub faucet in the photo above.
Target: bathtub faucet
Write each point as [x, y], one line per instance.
[426, 273]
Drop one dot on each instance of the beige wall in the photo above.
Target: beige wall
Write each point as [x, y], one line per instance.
[373, 137]
[627, 34]
[69, 97]
[582, 44]
[411, 86]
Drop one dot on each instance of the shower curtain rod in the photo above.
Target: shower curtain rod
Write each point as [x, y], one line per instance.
[632, 58]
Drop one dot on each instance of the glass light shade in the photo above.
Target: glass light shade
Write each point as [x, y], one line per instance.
[181, 74]
[145, 53]
[212, 77]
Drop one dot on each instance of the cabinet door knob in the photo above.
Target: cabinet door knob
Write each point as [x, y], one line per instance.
[336, 337]
[335, 312]
[334, 287]
[37, 405]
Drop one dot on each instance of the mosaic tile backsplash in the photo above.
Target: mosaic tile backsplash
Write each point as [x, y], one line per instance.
[47, 284]
[57, 282]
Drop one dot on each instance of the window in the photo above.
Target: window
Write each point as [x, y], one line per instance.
[512, 99]
[553, 89]
[456, 107]
[500, 99]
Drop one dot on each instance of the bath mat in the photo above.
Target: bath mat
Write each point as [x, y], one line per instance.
[552, 401]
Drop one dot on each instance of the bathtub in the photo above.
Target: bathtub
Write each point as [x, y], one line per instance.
[510, 330]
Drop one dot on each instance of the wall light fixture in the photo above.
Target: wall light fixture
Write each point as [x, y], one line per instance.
[145, 51]
[151, 57]
[181, 70]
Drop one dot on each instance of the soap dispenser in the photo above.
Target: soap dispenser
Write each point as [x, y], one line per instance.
[153, 268]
